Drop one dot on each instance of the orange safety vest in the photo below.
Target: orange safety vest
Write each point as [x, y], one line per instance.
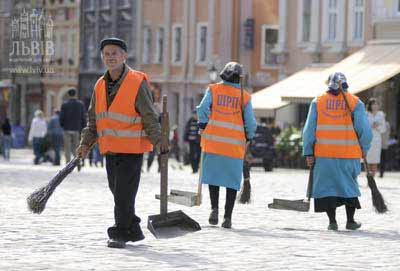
[335, 134]
[224, 133]
[119, 127]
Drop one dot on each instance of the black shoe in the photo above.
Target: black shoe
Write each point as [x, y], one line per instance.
[227, 223]
[333, 226]
[135, 236]
[213, 219]
[353, 225]
[116, 243]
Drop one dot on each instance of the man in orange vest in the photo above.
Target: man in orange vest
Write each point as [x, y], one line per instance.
[124, 122]
[329, 136]
[227, 117]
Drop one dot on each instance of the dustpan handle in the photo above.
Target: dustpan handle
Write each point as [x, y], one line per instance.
[164, 158]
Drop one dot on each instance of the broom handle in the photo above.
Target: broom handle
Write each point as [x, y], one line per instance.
[358, 139]
[242, 109]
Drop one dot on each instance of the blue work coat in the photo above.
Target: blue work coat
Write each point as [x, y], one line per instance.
[336, 177]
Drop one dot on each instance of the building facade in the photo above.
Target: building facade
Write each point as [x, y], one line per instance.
[319, 33]
[101, 19]
[62, 70]
[180, 43]
[5, 78]
[25, 60]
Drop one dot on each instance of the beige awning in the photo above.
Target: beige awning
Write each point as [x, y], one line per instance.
[375, 63]
[266, 101]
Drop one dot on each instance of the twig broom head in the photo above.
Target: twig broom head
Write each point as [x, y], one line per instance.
[38, 199]
[245, 192]
[377, 199]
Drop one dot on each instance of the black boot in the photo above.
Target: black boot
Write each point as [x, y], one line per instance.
[213, 219]
[116, 243]
[227, 223]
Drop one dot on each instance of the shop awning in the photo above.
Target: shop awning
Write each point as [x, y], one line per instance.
[375, 63]
[267, 100]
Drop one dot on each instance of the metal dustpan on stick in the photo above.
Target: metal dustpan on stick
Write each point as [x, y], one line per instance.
[168, 224]
[301, 205]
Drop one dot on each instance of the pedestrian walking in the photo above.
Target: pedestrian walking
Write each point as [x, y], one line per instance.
[330, 145]
[36, 135]
[123, 120]
[385, 148]
[192, 137]
[7, 140]
[55, 132]
[224, 132]
[72, 120]
[376, 119]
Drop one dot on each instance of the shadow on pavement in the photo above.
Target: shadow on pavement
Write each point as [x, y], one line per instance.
[265, 233]
[391, 235]
[178, 259]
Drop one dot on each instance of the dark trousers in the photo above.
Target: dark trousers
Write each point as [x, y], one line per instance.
[194, 155]
[382, 165]
[123, 173]
[56, 141]
[37, 145]
[230, 199]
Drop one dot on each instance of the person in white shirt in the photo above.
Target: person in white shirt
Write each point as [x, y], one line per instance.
[37, 133]
[376, 119]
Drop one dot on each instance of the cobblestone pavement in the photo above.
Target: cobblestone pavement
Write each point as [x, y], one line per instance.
[71, 233]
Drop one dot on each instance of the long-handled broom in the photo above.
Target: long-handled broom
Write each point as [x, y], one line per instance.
[245, 192]
[38, 199]
[377, 199]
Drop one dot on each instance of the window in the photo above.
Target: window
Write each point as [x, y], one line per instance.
[177, 44]
[358, 20]
[269, 38]
[124, 3]
[201, 53]
[104, 4]
[88, 4]
[306, 23]
[160, 46]
[332, 19]
[146, 45]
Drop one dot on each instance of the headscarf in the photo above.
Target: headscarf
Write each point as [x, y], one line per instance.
[336, 82]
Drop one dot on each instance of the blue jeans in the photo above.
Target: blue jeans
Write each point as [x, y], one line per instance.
[6, 147]
[37, 144]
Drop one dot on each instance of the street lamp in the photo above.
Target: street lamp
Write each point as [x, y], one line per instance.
[213, 74]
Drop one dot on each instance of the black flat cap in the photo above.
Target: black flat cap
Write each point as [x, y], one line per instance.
[113, 41]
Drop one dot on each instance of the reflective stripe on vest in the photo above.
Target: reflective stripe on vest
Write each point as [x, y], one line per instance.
[227, 125]
[337, 141]
[121, 133]
[335, 136]
[224, 139]
[119, 117]
[326, 127]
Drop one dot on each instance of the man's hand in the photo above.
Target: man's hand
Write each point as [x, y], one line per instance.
[82, 151]
[310, 160]
[160, 149]
[201, 131]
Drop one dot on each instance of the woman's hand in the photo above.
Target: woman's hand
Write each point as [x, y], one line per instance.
[310, 160]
